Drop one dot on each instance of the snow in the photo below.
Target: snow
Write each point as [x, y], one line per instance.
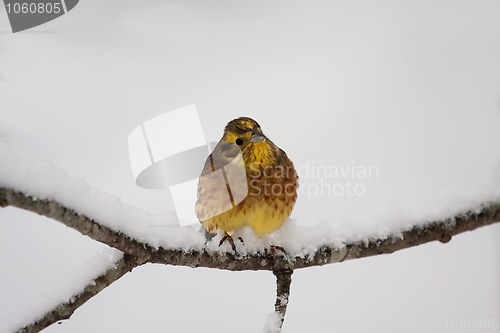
[389, 220]
[410, 88]
[60, 291]
[45, 181]
[42, 180]
[272, 323]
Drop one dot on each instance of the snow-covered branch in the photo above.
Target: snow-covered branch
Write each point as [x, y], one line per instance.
[65, 310]
[137, 253]
[283, 282]
[441, 230]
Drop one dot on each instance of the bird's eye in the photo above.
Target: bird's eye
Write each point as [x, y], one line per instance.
[239, 141]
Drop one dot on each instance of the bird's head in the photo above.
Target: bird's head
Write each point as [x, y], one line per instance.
[243, 132]
[244, 135]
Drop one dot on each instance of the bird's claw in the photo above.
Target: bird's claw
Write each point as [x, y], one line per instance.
[228, 238]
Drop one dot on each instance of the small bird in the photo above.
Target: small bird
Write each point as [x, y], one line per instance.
[246, 181]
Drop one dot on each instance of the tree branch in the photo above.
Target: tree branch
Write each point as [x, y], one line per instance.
[65, 310]
[137, 253]
[283, 282]
[441, 231]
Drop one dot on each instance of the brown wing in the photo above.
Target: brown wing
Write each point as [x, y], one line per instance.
[213, 190]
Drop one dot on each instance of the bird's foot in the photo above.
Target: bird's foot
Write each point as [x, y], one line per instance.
[227, 237]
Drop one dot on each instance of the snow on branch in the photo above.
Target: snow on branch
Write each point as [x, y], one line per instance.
[65, 310]
[191, 251]
[442, 230]
[137, 253]
[283, 282]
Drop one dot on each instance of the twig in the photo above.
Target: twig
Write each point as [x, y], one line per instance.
[442, 231]
[283, 282]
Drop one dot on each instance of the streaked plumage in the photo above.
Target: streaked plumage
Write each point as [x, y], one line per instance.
[258, 187]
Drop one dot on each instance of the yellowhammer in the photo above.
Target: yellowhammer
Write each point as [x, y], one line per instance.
[246, 181]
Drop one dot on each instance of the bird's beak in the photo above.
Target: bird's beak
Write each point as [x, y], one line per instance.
[257, 137]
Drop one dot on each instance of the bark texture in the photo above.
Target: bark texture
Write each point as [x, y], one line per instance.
[137, 253]
[283, 282]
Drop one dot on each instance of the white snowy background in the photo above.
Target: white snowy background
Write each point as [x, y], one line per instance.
[411, 87]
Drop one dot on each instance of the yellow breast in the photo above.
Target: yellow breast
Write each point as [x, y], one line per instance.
[272, 183]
